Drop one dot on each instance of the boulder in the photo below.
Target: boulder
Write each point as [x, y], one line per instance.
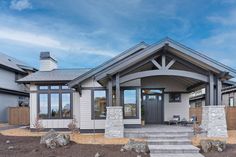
[62, 139]
[51, 134]
[52, 139]
[137, 146]
[213, 145]
[218, 145]
[97, 155]
[205, 145]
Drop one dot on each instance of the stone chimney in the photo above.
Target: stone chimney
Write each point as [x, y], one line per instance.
[47, 63]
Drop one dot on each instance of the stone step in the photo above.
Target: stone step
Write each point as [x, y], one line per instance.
[171, 149]
[176, 155]
[167, 137]
[169, 141]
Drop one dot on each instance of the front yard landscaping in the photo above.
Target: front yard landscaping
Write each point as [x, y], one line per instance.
[24, 143]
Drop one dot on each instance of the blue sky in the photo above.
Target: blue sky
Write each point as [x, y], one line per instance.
[86, 33]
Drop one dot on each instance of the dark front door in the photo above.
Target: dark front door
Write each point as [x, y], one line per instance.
[152, 101]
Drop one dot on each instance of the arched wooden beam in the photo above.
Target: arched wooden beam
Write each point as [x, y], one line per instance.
[150, 73]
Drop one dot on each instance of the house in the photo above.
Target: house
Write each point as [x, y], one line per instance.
[12, 93]
[197, 98]
[157, 79]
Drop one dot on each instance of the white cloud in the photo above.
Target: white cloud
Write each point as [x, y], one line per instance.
[20, 5]
[227, 20]
[46, 41]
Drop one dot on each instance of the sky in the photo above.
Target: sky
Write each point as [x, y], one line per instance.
[85, 33]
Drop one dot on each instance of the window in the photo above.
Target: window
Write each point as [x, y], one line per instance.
[64, 87]
[43, 87]
[231, 101]
[54, 102]
[55, 106]
[66, 105]
[175, 97]
[55, 87]
[130, 103]
[43, 105]
[99, 104]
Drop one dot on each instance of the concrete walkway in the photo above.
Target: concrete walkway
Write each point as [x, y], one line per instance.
[166, 141]
[5, 126]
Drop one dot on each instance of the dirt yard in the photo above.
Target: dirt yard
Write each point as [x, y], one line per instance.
[30, 147]
[229, 152]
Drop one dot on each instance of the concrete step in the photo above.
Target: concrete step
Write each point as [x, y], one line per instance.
[171, 149]
[163, 137]
[176, 155]
[169, 142]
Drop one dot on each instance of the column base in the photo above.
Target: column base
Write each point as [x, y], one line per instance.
[114, 127]
[214, 121]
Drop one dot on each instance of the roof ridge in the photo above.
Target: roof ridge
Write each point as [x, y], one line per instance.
[200, 54]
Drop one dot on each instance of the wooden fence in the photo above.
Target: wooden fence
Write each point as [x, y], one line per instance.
[197, 112]
[19, 115]
[229, 111]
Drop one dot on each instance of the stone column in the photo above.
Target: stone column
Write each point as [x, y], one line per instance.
[214, 121]
[114, 127]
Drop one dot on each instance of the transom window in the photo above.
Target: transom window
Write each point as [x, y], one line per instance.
[130, 103]
[54, 102]
[99, 104]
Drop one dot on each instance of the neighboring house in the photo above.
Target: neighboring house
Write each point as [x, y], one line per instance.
[12, 94]
[159, 77]
[198, 98]
[229, 96]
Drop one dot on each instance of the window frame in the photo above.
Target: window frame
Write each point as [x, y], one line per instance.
[137, 102]
[233, 101]
[50, 91]
[175, 101]
[93, 103]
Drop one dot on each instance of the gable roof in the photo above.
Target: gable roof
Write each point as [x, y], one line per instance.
[56, 75]
[123, 55]
[122, 61]
[14, 64]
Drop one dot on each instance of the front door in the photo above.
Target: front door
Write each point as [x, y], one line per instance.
[152, 101]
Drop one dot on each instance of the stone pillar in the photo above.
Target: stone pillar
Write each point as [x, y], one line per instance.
[214, 121]
[114, 127]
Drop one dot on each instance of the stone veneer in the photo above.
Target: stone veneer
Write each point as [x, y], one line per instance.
[214, 121]
[114, 127]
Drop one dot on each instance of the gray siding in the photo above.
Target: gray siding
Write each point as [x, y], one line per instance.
[8, 81]
[6, 101]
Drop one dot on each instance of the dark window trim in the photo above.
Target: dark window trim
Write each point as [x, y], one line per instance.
[92, 103]
[173, 101]
[137, 101]
[59, 91]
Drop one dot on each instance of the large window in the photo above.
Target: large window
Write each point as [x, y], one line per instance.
[99, 104]
[66, 105]
[43, 105]
[55, 106]
[130, 103]
[54, 102]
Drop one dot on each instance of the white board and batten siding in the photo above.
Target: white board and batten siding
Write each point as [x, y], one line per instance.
[51, 123]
